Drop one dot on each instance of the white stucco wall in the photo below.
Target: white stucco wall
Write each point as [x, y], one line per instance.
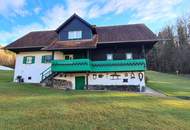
[58, 55]
[107, 79]
[33, 70]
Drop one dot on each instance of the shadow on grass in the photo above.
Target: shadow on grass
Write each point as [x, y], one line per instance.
[184, 97]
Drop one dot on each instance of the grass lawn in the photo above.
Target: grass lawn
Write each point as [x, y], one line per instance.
[170, 84]
[30, 107]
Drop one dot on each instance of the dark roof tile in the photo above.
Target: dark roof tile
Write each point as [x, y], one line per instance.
[107, 34]
[34, 39]
[73, 44]
[125, 33]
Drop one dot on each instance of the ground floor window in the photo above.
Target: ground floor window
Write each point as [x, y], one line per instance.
[47, 59]
[28, 59]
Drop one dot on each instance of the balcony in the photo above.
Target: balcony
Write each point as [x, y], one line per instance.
[86, 65]
[76, 65]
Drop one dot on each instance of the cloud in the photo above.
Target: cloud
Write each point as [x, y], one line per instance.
[145, 11]
[59, 13]
[112, 6]
[13, 8]
[37, 10]
[155, 10]
[18, 31]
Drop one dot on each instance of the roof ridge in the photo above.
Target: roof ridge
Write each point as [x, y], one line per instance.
[120, 25]
[43, 31]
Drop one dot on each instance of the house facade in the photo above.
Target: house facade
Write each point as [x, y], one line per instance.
[78, 55]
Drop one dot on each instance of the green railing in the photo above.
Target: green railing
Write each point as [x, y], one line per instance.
[76, 65]
[46, 73]
[83, 65]
[119, 65]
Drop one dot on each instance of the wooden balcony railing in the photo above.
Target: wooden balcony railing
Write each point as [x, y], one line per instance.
[86, 65]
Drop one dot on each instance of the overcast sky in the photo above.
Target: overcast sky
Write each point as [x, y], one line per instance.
[18, 17]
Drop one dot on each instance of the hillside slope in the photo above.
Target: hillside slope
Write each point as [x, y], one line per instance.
[31, 107]
[169, 84]
[7, 58]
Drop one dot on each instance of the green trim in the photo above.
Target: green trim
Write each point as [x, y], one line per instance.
[25, 59]
[86, 65]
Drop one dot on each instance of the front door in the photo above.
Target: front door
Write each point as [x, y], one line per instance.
[79, 82]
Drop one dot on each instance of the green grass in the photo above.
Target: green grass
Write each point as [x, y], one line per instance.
[30, 107]
[170, 84]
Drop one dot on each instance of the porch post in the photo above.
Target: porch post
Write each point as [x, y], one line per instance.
[143, 51]
[87, 80]
[53, 53]
[87, 73]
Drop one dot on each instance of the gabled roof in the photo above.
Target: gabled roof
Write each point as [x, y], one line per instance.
[47, 40]
[70, 19]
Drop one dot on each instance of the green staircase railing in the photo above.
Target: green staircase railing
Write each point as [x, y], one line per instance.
[47, 72]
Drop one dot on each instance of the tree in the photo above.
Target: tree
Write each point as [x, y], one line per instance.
[172, 53]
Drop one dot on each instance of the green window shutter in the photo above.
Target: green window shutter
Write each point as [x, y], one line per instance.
[43, 59]
[24, 59]
[33, 59]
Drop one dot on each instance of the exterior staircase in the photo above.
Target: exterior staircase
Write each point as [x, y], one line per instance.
[47, 76]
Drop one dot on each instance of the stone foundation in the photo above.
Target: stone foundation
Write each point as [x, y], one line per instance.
[115, 87]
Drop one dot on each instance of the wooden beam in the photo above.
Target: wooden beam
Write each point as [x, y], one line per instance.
[53, 53]
[143, 51]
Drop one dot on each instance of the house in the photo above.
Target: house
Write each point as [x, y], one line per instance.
[78, 55]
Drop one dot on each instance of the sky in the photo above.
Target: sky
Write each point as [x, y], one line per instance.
[19, 17]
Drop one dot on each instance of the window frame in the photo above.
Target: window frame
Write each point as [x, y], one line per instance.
[107, 56]
[126, 55]
[76, 34]
[45, 60]
[26, 61]
[70, 57]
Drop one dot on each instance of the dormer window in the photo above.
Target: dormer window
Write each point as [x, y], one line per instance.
[74, 35]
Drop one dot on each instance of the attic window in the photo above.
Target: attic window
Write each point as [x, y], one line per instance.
[74, 35]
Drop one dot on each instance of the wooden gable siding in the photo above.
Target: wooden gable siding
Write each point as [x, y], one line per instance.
[75, 25]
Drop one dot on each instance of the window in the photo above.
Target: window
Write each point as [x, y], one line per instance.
[100, 76]
[28, 59]
[46, 59]
[109, 56]
[74, 34]
[68, 57]
[129, 56]
[94, 76]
